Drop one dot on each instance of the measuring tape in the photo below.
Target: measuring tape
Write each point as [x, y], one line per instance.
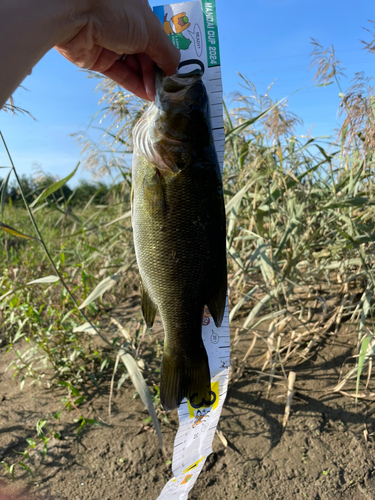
[192, 28]
[197, 428]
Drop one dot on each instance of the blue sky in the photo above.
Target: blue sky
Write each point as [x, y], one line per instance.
[268, 41]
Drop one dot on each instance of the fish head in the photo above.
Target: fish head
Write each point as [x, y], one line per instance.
[183, 108]
[182, 104]
[177, 127]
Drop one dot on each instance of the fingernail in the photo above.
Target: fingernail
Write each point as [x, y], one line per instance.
[150, 92]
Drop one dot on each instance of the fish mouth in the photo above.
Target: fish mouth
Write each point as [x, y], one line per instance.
[176, 86]
[176, 127]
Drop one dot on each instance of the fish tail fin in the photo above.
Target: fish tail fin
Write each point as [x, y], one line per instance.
[185, 376]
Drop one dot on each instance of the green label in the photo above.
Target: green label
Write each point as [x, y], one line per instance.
[212, 36]
[180, 41]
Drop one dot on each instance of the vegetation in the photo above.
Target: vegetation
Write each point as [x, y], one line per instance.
[300, 246]
[32, 187]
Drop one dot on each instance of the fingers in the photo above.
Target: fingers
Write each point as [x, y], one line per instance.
[148, 74]
[130, 28]
[133, 63]
[95, 57]
[123, 74]
[105, 60]
[81, 50]
[136, 74]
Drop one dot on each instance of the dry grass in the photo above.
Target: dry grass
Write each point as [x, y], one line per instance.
[300, 242]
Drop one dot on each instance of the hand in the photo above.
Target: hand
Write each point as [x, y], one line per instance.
[123, 27]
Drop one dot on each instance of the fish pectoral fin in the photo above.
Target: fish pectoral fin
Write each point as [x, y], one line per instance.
[149, 308]
[153, 195]
[216, 303]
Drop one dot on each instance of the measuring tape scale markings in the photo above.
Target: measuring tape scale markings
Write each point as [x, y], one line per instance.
[192, 28]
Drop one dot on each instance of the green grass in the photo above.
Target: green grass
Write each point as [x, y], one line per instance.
[300, 243]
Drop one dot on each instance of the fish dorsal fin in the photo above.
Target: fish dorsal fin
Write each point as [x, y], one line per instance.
[149, 308]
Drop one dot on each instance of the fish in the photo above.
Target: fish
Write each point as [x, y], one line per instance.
[179, 230]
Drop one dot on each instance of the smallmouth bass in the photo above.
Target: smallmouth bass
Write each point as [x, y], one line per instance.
[178, 218]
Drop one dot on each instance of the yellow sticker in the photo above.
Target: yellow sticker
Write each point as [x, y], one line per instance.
[192, 466]
[195, 406]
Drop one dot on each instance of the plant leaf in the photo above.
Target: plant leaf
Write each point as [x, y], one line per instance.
[53, 187]
[105, 285]
[237, 198]
[238, 130]
[46, 279]
[27, 468]
[143, 391]
[241, 302]
[125, 216]
[256, 309]
[361, 360]
[15, 232]
[4, 188]
[86, 328]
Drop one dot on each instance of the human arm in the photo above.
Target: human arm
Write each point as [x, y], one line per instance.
[93, 34]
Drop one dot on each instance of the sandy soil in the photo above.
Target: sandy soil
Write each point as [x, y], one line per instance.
[326, 451]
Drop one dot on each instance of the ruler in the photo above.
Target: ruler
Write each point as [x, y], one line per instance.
[192, 27]
[193, 442]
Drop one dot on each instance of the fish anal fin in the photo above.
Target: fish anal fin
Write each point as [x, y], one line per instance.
[149, 308]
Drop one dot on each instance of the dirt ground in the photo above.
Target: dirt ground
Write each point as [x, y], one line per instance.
[326, 451]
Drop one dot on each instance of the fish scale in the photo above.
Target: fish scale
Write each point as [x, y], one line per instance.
[179, 230]
[180, 266]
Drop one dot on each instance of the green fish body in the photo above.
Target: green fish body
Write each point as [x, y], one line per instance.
[179, 229]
